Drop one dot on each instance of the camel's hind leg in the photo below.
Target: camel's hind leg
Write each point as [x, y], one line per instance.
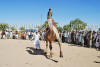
[61, 54]
[50, 46]
[46, 51]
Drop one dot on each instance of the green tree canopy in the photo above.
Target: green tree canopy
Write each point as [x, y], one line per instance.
[22, 28]
[4, 26]
[13, 28]
[78, 24]
[60, 29]
[67, 27]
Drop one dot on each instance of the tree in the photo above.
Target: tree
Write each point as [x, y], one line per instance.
[4, 26]
[99, 29]
[67, 27]
[22, 28]
[13, 28]
[77, 24]
[44, 26]
[60, 29]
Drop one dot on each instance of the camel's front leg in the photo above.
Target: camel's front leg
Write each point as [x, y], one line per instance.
[61, 54]
[50, 46]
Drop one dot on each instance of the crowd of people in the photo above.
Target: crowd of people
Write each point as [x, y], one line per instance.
[82, 38]
[16, 35]
[7, 34]
[22, 35]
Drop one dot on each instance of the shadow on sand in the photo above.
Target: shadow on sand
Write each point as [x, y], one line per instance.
[97, 61]
[98, 56]
[33, 51]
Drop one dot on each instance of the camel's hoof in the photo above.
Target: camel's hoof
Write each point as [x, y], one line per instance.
[61, 56]
[45, 53]
[51, 54]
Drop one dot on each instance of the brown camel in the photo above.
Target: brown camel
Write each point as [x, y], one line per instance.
[51, 36]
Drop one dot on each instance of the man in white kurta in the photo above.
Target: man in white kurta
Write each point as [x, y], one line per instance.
[37, 42]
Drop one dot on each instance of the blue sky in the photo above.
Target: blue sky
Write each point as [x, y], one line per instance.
[31, 11]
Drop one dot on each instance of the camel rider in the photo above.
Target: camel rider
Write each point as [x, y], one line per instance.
[49, 14]
[50, 20]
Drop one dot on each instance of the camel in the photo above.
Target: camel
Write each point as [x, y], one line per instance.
[51, 35]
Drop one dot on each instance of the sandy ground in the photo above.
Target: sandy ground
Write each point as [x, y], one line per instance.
[22, 53]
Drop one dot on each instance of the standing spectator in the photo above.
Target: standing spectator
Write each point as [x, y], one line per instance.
[6, 33]
[98, 40]
[90, 39]
[72, 37]
[65, 36]
[80, 38]
[3, 35]
[37, 42]
[77, 40]
[11, 34]
[16, 33]
[83, 35]
[94, 38]
[31, 35]
[85, 38]
[97, 43]
[69, 37]
[27, 37]
[43, 35]
[0, 34]
[63, 40]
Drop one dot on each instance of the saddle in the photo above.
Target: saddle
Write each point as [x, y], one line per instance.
[48, 29]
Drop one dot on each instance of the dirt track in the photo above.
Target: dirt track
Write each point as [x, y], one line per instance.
[21, 53]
